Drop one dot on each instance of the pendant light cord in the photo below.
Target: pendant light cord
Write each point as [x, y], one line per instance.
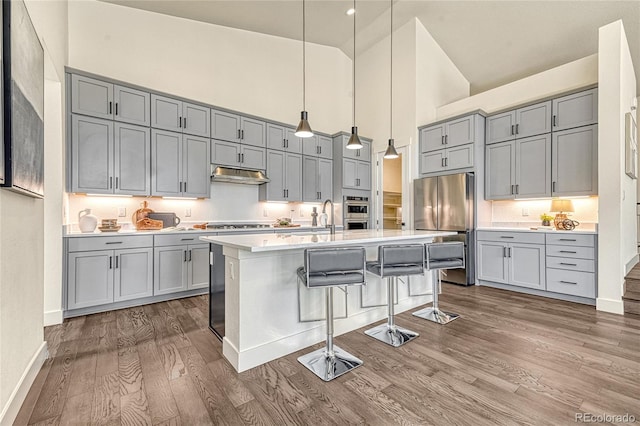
[354, 65]
[304, 59]
[391, 79]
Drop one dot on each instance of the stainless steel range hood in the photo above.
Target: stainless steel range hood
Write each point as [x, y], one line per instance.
[247, 177]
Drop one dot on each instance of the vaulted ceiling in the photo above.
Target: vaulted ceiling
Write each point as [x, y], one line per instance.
[491, 42]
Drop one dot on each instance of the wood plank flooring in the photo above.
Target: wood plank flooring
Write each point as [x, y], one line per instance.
[510, 359]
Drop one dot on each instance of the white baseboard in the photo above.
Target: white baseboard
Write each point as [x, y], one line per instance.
[53, 317]
[630, 264]
[11, 409]
[609, 305]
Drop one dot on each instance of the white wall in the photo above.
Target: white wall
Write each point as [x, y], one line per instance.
[249, 72]
[574, 75]
[617, 245]
[22, 236]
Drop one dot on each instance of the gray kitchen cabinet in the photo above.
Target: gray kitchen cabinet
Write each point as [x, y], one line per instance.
[318, 146]
[253, 157]
[91, 97]
[196, 169]
[363, 154]
[492, 262]
[170, 269]
[460, 131]
[349, 173]
[317, 180]
[363, 177]
[108, 158]
[283, 139]
[180, 165]
[90, 279]
[574, 167]
[458, 157]
[519, 169]
[132, 160]
[180, 268]
[91, 155]
[575, 110]
[177, 116]
[225, 153]
[520, 123]
[527, 265]
[253, 132]
[133, 274]
[225, 126]
[310, 146]
[285, 172]
[131, 105]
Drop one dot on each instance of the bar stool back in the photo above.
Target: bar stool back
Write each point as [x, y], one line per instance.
[329, 268]
[395, 261]
[441, 256]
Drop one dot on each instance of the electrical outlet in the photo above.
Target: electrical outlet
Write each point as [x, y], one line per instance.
[525, 211]
[122, 211]
[187, 212]
[265, 212]
[301, 212]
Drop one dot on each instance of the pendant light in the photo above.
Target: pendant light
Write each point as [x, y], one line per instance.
[391, 152]
[354, 140]
[304, 129]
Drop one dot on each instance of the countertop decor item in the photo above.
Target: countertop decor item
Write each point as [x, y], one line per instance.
[561, 206]
[546, 219]
[109, 225]
[141, 220]
[314, 217]
[86, 221]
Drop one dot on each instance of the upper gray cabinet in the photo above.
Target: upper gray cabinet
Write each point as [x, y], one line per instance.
[456, 132]
[178, 116]
[230, 127]
[101, 99]
[317, 180]
[283, 139]
[578, 109]
[108, 158]
[237, 155]
[575, 162]
[363, 154]
[180, 165]
[318, 146]
[285, 172]
[520, 123]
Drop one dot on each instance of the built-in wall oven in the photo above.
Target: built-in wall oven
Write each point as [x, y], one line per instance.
[356, 213]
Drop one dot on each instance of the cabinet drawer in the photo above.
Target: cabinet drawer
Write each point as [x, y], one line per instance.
[178, 239]
[571, 240]
[571, 282]
[511, 237]
[109, 243]
[571, 251]
[584, 265]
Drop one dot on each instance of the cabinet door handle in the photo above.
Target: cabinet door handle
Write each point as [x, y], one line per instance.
[517, 189]
[567, 239]
[446, 161]
[110, 262]
[242, 156]
[116, 182]
[446, 139]
[554, 121]
[189, 255]
[504, 252]
[180, 122]
[569, 264]
[185, 255]
[568, 282]
[117, 261]
[110, 182]
[114, 242]
[184, 122]
[442, 141]
[284, 143]
[239, 158]
[509, 251]
[517, 126]
[242, 134]
[284, 193]
[511, 189]
[567, 251]
[512, 130]
[442, 162]
[186, 239]
[185, 187]
[506, 236]
[180, 184]
[238, 133]
[110, 107]
[553, 187]
[116, 108]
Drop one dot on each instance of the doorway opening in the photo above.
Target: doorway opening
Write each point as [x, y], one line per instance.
[392, 193]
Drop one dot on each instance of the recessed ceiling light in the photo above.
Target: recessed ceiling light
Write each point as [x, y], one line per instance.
[351, 11]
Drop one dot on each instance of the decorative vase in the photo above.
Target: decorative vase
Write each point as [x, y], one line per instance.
[546, 223]
[86, 221]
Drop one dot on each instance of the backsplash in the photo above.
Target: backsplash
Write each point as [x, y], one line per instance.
[510, 212]
[228, 202]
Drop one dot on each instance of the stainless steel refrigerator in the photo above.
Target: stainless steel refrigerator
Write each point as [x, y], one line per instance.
[446, 203]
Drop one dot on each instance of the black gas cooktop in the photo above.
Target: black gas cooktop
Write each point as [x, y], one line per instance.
[238, 226]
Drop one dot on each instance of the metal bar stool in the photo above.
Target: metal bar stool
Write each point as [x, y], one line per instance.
[441, 256]
[393, 262]
[329, 268]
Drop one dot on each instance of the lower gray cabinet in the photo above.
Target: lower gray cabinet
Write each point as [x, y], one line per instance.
[180, 268]
[527, 265]
[492, 262]
[133, 274]
[356, 174]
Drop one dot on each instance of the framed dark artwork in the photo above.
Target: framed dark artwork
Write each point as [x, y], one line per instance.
[23, 101]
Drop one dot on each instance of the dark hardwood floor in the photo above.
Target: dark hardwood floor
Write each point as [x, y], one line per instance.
[511, 359]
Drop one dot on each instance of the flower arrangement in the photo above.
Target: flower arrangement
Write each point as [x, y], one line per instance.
[546, 219]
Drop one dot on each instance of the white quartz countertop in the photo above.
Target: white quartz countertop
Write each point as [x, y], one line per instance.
[546, 230]
[276, 242]
[179, 230]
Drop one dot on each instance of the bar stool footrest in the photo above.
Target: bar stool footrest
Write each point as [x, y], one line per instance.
[395, 337]
[436, 315]
[329, 367]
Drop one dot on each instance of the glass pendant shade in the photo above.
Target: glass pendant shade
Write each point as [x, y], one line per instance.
[354, 140]
[391, 152]
[304, 129]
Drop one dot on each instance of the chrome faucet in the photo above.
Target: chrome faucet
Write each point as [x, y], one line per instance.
[332, 227]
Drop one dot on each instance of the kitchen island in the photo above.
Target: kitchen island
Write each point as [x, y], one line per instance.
[268, 314]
